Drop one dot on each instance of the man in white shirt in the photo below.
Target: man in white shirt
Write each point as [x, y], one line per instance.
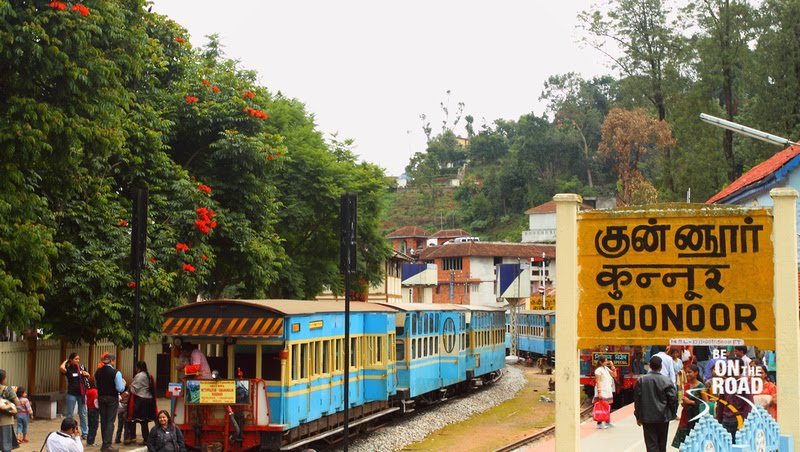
[667, 368]
[66, 440]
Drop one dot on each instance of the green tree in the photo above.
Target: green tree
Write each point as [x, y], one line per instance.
[725, 31]
[651, 53]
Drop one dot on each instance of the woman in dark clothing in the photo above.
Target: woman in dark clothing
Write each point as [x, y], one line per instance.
[142, 403]
[164, 436]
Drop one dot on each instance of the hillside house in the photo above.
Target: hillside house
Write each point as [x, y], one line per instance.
[466, 271]
[752, 189]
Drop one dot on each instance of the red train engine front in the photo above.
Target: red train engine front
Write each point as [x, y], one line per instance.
[629, 361]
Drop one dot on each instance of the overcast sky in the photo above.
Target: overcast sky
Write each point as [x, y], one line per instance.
[368, 69]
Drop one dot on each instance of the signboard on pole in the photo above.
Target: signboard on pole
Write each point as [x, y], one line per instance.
[669, 272]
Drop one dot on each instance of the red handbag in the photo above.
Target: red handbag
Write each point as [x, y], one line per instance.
[601, 411]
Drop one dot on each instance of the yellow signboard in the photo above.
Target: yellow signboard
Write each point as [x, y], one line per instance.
[676, 271]
[227, 392]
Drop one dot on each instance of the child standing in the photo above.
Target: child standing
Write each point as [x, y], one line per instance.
[93, 411]
[24, 415]
[123, 430]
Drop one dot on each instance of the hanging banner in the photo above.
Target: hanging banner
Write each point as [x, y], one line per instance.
[691, 271]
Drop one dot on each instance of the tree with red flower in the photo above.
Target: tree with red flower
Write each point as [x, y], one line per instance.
[122, 223]
[248, 94]
[58, 5]
[81, 9]
[215, 89]
[181, 247]
[204, 223]
[179, 40]
[191, 99]
[204, 188]
[132, 284]
[189, 268]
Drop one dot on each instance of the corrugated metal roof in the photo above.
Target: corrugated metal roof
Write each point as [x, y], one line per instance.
[287, 307]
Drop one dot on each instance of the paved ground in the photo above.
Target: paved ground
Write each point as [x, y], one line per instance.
[39, 428]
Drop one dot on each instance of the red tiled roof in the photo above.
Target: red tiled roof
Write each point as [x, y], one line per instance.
[757, 173]
[550, 207]
[451, 233]
[408, 231]
[487, 249]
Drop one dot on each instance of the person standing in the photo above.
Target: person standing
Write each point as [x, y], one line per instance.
[164, 437]
[109, 383]
[693, 399]
[732, 406]
[93, 412]
[142, 405]
[76, 389]
[667, 367]
[66, 440]
[8, 440]
[655, 403]
[24, 415]
[604, 375]
[702, 353]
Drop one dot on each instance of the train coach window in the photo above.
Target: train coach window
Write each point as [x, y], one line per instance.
[414, 324]
[400, 350]
[295, 360]
[338, 357]
[425, 346]
[317, 358]
[353, 352]
[303, 361]
[436, 346]
[326, 356]
[392, 350]
[271, 362]
[430, 324]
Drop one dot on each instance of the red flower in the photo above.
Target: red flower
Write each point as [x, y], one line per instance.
[269, 157]
[203, 222]
[179, 40]
[58, 5]
[81, 9]
[122, 223]
[204, 257]
[132, 284]
[206, 82]
[181, 247]
[189, 268]
[248, 94]
[191, 99]
[204, 188]
[255, 113]
[215, 89]
[153, 260]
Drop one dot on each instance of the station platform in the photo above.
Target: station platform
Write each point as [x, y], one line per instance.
[625, 436]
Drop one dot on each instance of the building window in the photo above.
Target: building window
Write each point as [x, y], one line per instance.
[474, 287]
[451, 263]
[403, 246]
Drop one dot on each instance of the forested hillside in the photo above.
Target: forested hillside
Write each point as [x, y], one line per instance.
[635, 135]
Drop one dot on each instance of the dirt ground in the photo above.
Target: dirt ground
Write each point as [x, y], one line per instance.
[511, 420]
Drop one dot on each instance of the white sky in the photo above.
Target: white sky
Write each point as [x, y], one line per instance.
[368, 69]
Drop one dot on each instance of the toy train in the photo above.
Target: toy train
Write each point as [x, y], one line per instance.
[278, 366]
[536, 340]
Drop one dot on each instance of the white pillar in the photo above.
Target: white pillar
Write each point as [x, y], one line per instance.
[787, 325]
[568, 399]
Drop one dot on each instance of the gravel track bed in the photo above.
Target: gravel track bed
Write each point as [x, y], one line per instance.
[416, 428]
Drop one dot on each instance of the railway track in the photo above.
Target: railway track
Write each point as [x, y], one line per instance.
[585, 413]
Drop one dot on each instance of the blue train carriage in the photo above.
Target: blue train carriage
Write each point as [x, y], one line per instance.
[485, 343]
[535, 334]
[431, 351]
[289, 356]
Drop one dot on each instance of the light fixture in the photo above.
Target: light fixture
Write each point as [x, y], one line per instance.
[230, 340]
[747, 131]
[177, 341]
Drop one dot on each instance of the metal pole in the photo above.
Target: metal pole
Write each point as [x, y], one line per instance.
[346, 431]
[544, 289]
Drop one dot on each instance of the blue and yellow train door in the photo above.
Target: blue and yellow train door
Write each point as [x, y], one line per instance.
[450, 348]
